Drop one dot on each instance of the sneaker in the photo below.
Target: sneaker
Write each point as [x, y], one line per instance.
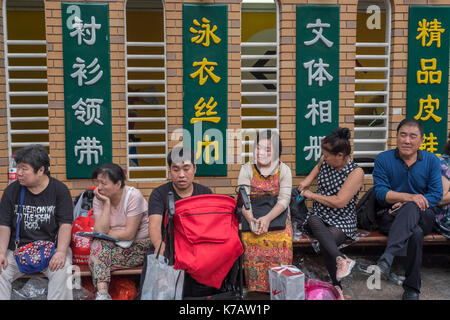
[102, 296]
[340, 293]
[344, 267]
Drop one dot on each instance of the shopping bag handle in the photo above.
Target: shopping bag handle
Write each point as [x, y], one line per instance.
[171, 204]
[170, 213]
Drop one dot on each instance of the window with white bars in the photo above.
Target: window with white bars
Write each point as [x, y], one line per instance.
[25, 73]
[372, 81]
[259, 70]
[146, 90]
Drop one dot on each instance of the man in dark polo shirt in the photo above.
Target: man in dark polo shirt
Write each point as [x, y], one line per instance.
[182, 171]
[407, 179]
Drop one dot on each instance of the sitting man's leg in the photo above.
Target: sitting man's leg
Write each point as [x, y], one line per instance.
[60, 281]
[8, 276]
[413, 262]
[405, 239]
[400, 230]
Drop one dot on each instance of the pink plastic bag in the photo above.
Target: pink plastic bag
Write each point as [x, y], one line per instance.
[320, 290]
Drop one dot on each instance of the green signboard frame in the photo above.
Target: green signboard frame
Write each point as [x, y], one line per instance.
[87, 87]
[428, 63]
[317, 67]
[205, 86]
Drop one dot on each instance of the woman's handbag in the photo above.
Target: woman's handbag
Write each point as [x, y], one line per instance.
[35, 256]
[262, 206]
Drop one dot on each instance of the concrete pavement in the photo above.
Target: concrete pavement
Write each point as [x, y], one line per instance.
[435, 274]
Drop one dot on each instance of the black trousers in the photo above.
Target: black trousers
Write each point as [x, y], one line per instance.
[405, 233]
[329, 239]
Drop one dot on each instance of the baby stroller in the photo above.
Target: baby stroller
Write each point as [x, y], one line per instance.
[206, 244]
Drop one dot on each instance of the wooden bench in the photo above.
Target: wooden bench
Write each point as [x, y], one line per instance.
[375, 238]
[82, 270]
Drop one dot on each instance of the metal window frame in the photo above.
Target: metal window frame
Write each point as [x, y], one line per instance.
[256, 81]
[9, 93]
[385, 92]
[154, 107]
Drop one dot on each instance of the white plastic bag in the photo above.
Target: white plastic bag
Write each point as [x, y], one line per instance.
[162, 282]
[35, 288]
[287, 282]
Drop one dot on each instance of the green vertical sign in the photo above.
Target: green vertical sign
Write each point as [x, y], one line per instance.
[87, 87]
[317, 109]
[428, 63]
[205, 85]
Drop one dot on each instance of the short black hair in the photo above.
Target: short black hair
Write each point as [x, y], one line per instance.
[338, 141]
[36, 156]
[114, 172]
[271, 135]
[180, 154]
[412, 123]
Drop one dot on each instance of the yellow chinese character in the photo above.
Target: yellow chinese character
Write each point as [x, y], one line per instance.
[428, 105]
[203, 66]
[428, 73]
[429, 143]
[201, 115]
[204, 34]
[423, 29]
[430, 30]
[206, 144]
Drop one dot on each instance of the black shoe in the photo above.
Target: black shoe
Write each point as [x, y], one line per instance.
[410, 294]
[385, 269]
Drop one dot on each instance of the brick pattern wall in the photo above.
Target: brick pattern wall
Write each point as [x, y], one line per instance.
[4, 162]
[56, 90]
[174, 73]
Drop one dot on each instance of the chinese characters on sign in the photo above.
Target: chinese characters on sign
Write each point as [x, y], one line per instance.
[205, 67]
[428, 62]
[87, 87]
[317, 81]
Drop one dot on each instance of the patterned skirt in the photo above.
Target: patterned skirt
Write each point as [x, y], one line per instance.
[263, 252]
[106, 256]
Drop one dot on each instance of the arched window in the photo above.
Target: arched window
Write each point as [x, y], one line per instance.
[25, 73]
[372, 81]
[146, 90]
[259, 70]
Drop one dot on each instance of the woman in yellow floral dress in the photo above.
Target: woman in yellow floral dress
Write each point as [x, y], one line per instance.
[266, 175]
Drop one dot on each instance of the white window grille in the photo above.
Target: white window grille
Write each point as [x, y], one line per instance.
[146, 91]
[372, 81]
[259, 70]
[25, 74]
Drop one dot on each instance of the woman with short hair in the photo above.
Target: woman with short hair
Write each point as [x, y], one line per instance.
[120, 211]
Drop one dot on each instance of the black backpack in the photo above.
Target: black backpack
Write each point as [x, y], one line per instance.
[368, 211]
[83, 203]
[299, 211]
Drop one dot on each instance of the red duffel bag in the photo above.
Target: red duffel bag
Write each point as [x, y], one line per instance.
[206, 237]
[81, 246]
